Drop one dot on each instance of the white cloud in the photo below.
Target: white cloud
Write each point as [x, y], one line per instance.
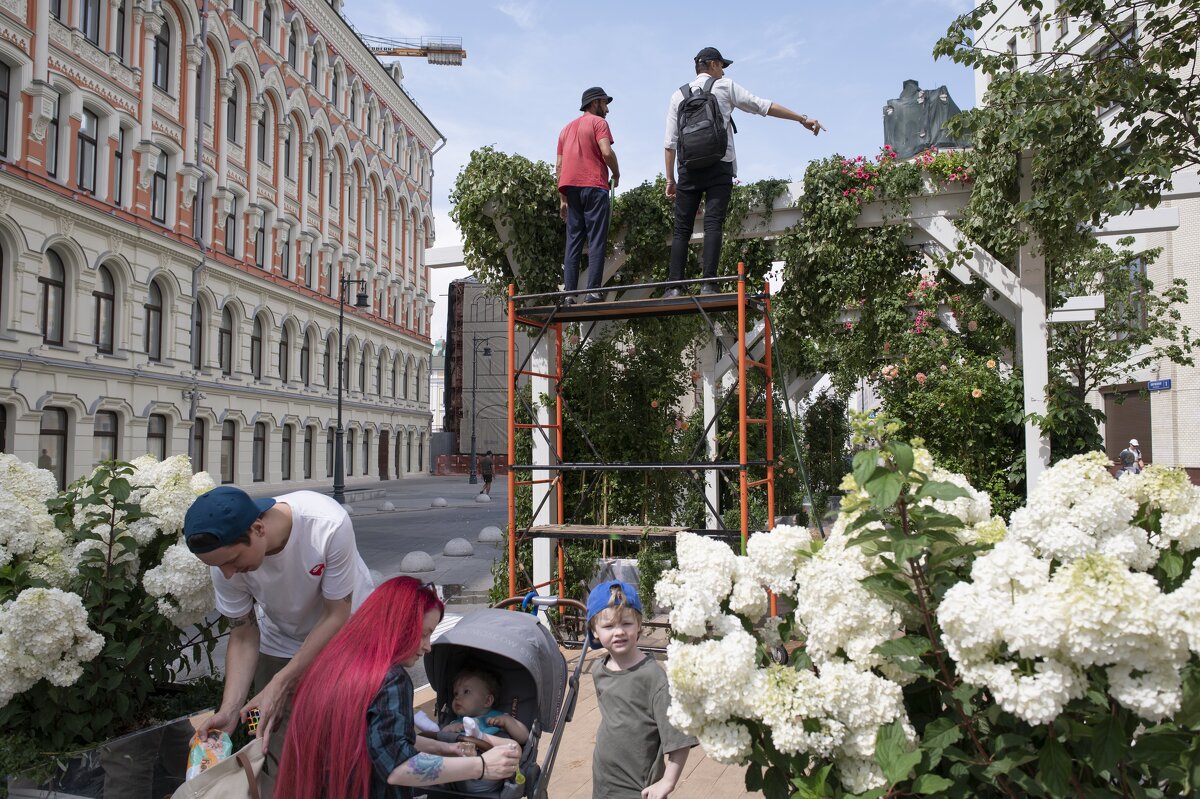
[521, 13]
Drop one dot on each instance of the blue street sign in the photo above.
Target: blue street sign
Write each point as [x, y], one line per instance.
[1159, 385]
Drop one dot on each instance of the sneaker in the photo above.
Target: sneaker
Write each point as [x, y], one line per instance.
[709, 288]
[593, 298]
[669, 293]
[568, 301]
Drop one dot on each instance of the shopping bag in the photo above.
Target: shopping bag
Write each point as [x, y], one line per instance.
[235, 777]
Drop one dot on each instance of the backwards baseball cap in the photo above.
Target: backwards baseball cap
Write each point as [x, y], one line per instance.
[220, 517]
[601, 598]
[591, 95]
[712, 54]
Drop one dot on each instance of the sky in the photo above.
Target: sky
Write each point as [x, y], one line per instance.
[528, 62]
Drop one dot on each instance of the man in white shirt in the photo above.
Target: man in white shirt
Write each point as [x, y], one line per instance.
[712, 183]
[287, 574]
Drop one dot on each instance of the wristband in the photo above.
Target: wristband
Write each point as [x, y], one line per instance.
[482, 767]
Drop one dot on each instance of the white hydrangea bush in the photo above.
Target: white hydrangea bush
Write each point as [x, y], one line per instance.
[1086, 593]
[93, 581]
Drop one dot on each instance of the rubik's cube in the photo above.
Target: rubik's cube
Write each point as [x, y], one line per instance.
[252, 721]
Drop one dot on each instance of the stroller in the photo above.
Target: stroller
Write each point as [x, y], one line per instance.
[533, 685]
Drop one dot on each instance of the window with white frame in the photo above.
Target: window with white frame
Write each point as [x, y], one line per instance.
[105, 437]
[53, 290]
[89, 20]
[158, 188]
[5, 109]
[256, 349]
[197, 336]
[119, 161]
[231, 226]
[85, 147]
[231, 114]
[154, 322]
[52, 137]
[119, 34]
[156, 436]
[104, 298]
[306, 362]
[225, 341]
[285, 453]
[228, 451]
[162, 57]
[285, 354]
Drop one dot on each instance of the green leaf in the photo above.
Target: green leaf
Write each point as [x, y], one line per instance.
[903, 455]
[1109, 745]
[1054, 767]
[1171, 563]
[930, 784]
[937, 489]
[909, 646]
[884, 488]
[889, 587]
[776, 785]
[865, 463]
[940, 734]
[894, 753]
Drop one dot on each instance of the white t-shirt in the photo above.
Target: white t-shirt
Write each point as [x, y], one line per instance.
[319, 561]
[729, 96]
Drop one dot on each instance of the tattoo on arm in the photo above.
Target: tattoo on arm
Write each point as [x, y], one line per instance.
[427, 767]
[241, 621]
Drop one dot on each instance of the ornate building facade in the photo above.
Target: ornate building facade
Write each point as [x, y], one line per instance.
[186, 189]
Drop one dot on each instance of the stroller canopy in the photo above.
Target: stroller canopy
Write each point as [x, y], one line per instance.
[521, 651]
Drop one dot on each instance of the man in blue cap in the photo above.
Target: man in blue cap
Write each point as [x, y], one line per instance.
[287, 574]
[638, 751]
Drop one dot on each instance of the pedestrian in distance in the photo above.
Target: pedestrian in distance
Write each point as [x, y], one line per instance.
[487, 469]
[632, 691]
[585, 156]
[353, 735]
[699, 143]
[287, 575]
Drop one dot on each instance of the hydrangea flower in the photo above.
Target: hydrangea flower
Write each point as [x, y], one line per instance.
[183, 586]
[44, 635]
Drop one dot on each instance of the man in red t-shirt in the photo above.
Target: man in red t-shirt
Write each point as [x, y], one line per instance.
[585, 156]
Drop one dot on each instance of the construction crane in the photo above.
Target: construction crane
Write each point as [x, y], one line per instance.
[442, 50]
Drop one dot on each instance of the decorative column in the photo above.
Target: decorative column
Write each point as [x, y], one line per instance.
[151, 24]
[41, 42]
[220, 125]
[324, 195]
[189, 92]
[306, 152]
[110, 37]
[255, 111]
[282, 130]
[346, 178]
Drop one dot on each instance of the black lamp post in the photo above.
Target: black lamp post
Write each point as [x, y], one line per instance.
[473, 477]
[339, 465]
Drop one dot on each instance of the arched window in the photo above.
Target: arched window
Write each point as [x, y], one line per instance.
[162, 57]
[231, 115]
[287, 154]
[285, 353]
[353, 108]
[366, 452]
[52, 444]
[105, 437]
[256, 349]
[199, 444]
[154, 322]
[379, 376]
[333, 89]
[362, 372]
[228, 451]
[53, 281]
[329, 445]
[291, 48]
[268, 22]
[305, 365]
[326, 363]
[258, 454]
[309, 434]
[350, 451]
[395, 374]
[263, 150]
[313, 69]
[156, 436]
[104, 296]
[369, 209]
[197, 336]
[407, 367]
[225, 342]
[285, 453]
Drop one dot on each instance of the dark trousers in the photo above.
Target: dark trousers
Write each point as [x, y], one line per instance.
[588, 210]
[715, 185]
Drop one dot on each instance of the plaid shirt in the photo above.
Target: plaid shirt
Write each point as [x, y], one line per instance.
[391, 739]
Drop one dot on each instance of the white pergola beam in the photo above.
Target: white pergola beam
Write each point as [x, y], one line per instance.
[982, 263]
[1140, 220]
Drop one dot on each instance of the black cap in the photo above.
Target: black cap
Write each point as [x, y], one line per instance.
[591, 95]
[712, 54]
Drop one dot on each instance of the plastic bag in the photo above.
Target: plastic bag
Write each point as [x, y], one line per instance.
[208, 747]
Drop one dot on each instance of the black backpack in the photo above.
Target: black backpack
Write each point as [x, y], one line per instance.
[703, 139]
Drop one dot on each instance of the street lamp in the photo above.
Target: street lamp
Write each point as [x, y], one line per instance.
[339, 453]
[473, 478]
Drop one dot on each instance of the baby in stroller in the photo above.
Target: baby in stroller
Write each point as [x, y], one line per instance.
[475, 692]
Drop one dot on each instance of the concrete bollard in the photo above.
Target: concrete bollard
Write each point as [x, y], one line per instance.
[491, 535]
[416, 562]
[440, 502]
[458, 548]
[388, 505]
[483, 498]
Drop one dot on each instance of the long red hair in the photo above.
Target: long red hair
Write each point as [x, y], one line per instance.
[325, 753]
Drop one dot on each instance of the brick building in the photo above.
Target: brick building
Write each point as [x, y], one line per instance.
[181, 195]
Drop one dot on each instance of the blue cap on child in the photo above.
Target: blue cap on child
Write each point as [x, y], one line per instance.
[601, 598]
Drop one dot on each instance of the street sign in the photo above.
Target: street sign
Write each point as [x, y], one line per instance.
[1159, 385]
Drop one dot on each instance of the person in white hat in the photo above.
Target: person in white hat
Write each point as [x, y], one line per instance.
[1131, 459]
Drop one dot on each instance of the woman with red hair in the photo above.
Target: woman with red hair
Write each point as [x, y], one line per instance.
[351, 734]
